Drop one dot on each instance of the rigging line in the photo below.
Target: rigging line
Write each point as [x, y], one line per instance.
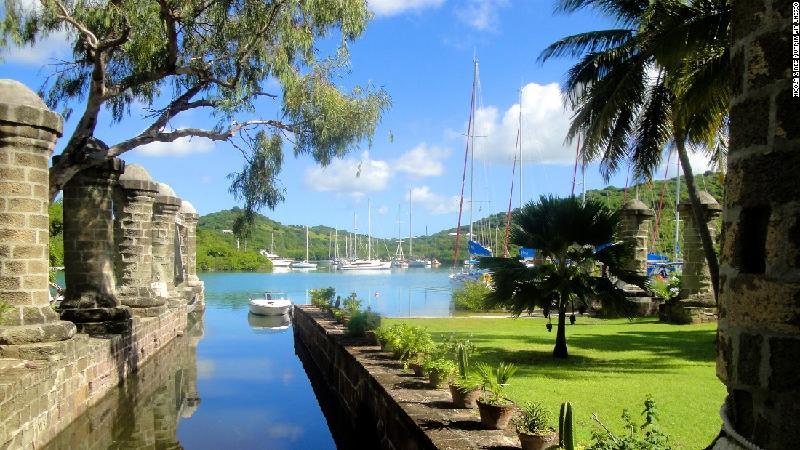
[627, 179]
[661, 202]
[508, 212]
[464, 175]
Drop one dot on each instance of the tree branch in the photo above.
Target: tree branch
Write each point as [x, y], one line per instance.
[91, 39]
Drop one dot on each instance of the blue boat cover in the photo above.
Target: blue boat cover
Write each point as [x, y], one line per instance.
[527, 253]
[602, 247]
[478, 250]
[657, 257]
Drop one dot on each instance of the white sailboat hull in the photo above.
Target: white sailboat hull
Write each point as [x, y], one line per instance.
[366, 265]
[281, 262]
[304, 265]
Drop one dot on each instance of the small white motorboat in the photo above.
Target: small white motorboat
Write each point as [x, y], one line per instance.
[273, 304]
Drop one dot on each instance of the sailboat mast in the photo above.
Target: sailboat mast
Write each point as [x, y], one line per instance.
[306, 243]
[369, 229]
[472, 147]
[410, 233]
[336, 244]
[677, 200]
[355, 235]
[520, 148]
[272, 243]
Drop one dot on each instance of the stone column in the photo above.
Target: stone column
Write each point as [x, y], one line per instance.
[91, 299]
[696, 279]
[165, 213]
[758, 345]
[28, 132]
[193, 284]
[635, 228]
[133, 231]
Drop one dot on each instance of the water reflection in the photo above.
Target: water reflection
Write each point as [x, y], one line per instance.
[268, 324]
[144, 411]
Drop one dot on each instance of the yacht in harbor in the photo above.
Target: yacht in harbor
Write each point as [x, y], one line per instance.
[305, 264]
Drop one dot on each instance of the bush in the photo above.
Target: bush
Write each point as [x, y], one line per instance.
[534, 419]
[352, 304]
[323, 297]
[363, 321]
[471, 296]
[646, 436]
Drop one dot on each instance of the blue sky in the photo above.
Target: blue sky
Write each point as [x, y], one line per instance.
[421, 52]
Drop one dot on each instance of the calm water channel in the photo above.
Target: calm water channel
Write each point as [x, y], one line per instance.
[231, 381]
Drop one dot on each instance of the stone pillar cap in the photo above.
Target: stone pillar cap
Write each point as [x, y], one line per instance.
[167, 196]
[637, 206]
[707, 201]
[136, 177]
[187, 208]
[19, 104]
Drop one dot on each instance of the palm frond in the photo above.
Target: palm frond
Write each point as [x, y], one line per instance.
[583, 43]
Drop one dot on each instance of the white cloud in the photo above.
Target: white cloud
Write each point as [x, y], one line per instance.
[422, 161]
[544, 126]
[383, 209]
[481, 14]
[395, 7]
[432, 202]
[351, 176]
[179, 147]
[698, 159]
[49, 49]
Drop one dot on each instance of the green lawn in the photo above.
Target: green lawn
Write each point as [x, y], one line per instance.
[613, 364]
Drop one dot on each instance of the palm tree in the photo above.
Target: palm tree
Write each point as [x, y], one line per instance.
[572, 237]
[660, 77]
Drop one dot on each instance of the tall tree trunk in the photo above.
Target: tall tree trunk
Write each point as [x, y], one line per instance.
[699, 217]
[560, 350]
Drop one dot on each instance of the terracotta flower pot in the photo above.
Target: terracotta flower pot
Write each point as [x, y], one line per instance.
[464, 399]
[495, 417]
[437, 378]
[537, 441]
[419, 371]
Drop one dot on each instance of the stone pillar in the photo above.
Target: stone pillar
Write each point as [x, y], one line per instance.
[696, 279]
[635, 228]
[758, 345]
[165, 213]
[194, 286]
[133, 231]
[28, 132]
[91, 299]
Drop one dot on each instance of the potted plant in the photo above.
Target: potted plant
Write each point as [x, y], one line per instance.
[439, 371]
[533, 427]
[465, 388]
[495, 409]
[363, 323]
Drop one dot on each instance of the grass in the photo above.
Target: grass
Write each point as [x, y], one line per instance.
[613, 364]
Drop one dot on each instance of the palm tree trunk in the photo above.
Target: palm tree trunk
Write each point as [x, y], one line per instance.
[699, 217]
[560, 350]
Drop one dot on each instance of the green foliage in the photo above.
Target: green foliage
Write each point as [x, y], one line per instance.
[215, 253]
[56, 244]
[173, 57]
[471, 296]
[665, 289]
[647, 436]
[323, 297]
[5, 308]
[442, 366]
[406, 342]
[574, 237]
[495, 380]
[534, 419]
[566, 427]
[363, 321]
[352, 303]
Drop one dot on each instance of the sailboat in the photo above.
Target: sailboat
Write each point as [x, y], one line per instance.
[369, 263]
[277, 261]
[413, 262]
[305, 264]
[475, 248]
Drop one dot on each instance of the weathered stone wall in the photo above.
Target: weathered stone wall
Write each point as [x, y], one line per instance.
[38, 399]
[381, 401]
[696, 278]
[635, 228]
[759, 331]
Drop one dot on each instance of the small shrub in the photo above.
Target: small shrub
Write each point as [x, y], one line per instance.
[322, 298]
[647, 436]
[471, 296]
[441, 365]
[363, 321]
[352, 303]
[665, 288]
[534, 419]
[494, 382]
